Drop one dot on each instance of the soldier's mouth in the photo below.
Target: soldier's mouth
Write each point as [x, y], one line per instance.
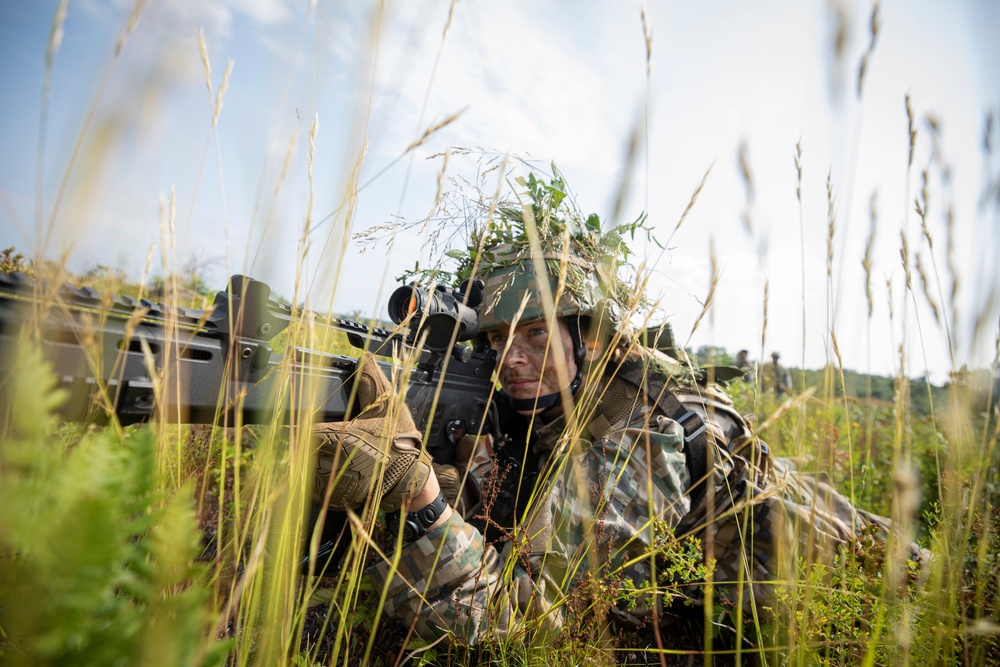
[518, 383]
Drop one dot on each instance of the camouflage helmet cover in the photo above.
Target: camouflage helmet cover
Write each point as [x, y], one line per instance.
[512, 283]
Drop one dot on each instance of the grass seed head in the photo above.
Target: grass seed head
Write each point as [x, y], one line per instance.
[647, 33]
[904, 256]
[866, 262]
[217, 108]
[925, 287]
[911, 129]
[798, 170]
[831, 224]
[711, 287]
[56, 33]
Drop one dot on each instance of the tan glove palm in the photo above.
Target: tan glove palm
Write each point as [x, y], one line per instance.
[373, 453]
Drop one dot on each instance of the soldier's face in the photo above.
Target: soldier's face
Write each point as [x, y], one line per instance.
[530, 359]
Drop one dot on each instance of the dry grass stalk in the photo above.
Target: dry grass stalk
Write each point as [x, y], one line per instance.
[866, 263]
[647, 33]
[949, 241]
[78, 146]
[904, 256]
[798, 171]
[911, 129]
[831, 224]
[205, 63]
[133, 21]
[438, 194]
[168, 213]
[921, 205]
[888, 289]
[711, 288]
[743, 159]
[840, 20]
[632, 150]
[434, 128]
[795, 401]
[691, 202]
[926, 288]
[836, 350]
[763, 328]
[934, 129]
[983, 318]
[313, 132]
[874, 26]
[56, 33]
[55, 40]
[217, 107]
[447, 23]
[988, 132]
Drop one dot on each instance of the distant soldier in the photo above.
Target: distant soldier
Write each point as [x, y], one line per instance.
[745, 365]
[777, 378]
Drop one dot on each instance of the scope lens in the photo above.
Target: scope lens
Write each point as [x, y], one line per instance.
[405, 301]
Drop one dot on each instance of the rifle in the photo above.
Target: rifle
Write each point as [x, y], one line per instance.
[222, 359]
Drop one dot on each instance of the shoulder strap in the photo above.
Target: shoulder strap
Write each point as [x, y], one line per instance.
[653, 389]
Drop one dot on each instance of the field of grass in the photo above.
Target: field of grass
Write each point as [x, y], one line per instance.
[178, 545]
[167, 544]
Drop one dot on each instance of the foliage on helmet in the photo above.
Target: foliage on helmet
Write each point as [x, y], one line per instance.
[547, 226]
[537, 219]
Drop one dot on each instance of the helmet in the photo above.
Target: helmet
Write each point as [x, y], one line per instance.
[513, 290]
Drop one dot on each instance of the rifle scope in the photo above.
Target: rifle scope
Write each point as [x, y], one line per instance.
[439, 311]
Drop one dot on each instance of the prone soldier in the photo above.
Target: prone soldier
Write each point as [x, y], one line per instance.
[608, 443]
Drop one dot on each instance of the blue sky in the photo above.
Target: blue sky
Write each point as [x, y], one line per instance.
[563, 81]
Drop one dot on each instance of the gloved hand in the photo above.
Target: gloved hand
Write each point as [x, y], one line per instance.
[377, 452]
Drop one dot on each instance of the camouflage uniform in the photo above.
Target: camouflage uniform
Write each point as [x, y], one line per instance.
[473, 590]
[598, 498]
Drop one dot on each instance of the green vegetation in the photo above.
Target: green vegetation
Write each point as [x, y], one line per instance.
[98, 564]
[178, 545]
[181, 545]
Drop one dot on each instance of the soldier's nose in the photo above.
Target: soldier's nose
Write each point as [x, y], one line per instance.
[515, 356]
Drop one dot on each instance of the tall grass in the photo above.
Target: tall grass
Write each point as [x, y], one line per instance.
[168, 544]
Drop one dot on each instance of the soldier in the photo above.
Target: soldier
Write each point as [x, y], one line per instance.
[613, 447]
[744, 364]
[777, 378]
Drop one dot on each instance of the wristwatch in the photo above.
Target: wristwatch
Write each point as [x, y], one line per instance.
[416, 523]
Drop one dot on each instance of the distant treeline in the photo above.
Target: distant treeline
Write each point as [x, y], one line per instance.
[980, 387]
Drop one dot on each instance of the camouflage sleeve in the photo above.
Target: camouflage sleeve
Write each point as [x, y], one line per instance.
[594, 515]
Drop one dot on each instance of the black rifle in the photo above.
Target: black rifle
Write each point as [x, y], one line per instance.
[223, 363]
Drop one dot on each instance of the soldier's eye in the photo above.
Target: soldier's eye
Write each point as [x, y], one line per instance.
[497, 341]
[538, 331]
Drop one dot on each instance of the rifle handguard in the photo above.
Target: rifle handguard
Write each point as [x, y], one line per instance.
[370, 453]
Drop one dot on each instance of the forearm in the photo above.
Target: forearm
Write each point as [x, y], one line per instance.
[450, 583]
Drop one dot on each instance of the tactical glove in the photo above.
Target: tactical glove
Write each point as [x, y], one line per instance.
[373, 453]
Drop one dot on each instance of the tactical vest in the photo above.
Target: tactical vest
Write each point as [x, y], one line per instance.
[631, 388]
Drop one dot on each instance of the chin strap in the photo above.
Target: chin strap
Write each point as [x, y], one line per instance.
[546, 402]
